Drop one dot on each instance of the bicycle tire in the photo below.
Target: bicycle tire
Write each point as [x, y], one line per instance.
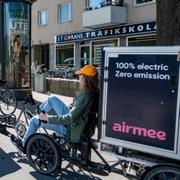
[162, 172]
[8, 102]
[42, 153]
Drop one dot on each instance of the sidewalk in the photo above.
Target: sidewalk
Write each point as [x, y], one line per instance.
[41, 97]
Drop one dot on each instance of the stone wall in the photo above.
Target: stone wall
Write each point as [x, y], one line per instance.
[65, 87]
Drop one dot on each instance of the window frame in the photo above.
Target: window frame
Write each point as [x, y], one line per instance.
[136, 36]
[144, 3]
[59, 46]
[100, 42]
[59, 12]
[40, 16]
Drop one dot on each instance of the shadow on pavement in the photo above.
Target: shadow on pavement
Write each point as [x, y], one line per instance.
[3, 130]
[7, 165]
[66, 175]
[21, 159]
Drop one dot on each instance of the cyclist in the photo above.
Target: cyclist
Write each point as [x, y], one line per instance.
[72, 120]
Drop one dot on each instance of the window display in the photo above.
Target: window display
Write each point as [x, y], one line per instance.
[97, 48]
[65, 55]
[17, 43]
[142, 41]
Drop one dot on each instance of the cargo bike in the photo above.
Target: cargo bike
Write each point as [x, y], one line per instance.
[138, 118]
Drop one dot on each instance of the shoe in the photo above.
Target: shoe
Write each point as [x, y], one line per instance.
[17, 142]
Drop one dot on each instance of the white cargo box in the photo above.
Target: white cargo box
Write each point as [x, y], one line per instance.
[140, 99]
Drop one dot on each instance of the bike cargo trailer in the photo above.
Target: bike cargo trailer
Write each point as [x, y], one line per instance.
[140, 99]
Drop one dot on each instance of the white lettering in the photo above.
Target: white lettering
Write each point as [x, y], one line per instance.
[117, 31]
[155, 27]
[106, 32]
[93, 34]
[140, 28]
[87, 34]
[124, 30]
[65, 37]
[148, 28]
[111, 31]
[131, 29]
[99, 33]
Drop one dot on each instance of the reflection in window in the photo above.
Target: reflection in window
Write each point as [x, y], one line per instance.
[142, 41]
[65, 55]
[65, 13]
[142, 1]
[84, 55]
[94, 3]
[43, 17]
[97, 48]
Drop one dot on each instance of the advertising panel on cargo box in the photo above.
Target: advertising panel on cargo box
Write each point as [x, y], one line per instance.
[142, 98]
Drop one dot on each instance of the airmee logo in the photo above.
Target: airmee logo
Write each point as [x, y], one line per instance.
[133, 130]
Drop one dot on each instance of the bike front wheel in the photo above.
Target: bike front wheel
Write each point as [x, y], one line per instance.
[8, 102]
[20, 129]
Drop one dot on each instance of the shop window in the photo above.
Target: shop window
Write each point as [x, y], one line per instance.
[16, 24]
[65, 55]
[140, 2]
[43, 17]
[142, 41]
[65, 12]
[97, 48]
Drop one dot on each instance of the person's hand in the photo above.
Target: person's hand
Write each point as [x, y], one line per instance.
[43, 117]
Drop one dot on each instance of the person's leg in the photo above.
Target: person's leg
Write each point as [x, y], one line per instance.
[32, 128]
[59, 107]
[35, 123]
[51, 103]
[54, 103]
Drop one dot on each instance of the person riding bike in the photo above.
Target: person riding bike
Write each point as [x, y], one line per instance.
[69, 122]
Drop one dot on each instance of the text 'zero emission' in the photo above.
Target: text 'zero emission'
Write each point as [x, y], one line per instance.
[146, 75]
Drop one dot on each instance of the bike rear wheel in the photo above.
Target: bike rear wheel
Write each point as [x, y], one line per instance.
[8, 102]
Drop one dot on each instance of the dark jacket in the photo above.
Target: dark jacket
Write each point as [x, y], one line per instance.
[77, 118]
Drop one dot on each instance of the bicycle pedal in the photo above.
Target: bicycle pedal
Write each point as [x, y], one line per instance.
[20, 155]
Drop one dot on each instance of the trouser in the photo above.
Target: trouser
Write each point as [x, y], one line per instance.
[51, 103]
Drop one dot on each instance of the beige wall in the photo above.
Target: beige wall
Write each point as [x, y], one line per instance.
[45, 34]
[140, 13]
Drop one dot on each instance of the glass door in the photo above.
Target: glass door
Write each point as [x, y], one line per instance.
[84, 55]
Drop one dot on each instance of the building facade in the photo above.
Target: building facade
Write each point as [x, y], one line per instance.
[73, 33]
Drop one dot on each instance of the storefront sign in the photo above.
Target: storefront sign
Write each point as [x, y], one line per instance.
[108, 32]
[142, 99]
